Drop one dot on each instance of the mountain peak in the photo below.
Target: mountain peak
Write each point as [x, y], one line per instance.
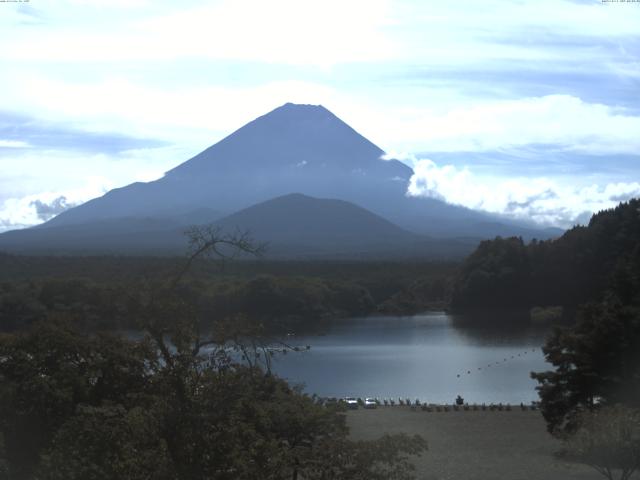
[301, 106]
[286, 139]
[302, 109]
[300, 112]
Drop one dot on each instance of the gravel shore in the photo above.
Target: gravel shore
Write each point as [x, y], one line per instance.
[475, 445]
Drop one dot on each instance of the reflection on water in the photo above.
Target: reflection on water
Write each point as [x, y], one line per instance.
[423, 356]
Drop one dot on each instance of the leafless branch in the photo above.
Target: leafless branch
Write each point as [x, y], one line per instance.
[208, 240]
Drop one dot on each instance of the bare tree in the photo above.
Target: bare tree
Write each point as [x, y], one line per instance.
[170, 317]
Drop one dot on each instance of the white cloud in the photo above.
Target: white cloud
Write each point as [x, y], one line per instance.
[50, 170]
[560, 120]
[283, 31]
[397, 71]
[173, 114]
[48, 176]
[34, 209]
[29, 210]
[103, 68]
[13, 144]
[200, 113]
[546, 201]
[312, 32]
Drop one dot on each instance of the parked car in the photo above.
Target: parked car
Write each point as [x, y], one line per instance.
[370, 403]
[351, 402]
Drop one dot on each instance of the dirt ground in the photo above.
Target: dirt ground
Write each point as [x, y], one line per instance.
[475, 445]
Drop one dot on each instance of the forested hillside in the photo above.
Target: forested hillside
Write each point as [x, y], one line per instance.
[580, 266]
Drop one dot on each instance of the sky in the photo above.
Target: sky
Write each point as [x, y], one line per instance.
[526, 108]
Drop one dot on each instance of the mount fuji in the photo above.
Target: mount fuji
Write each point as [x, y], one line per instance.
[302, 149]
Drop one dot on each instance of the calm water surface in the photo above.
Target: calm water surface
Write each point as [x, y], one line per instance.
[425, 356]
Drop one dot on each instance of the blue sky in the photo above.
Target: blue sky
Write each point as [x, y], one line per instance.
[525, 108]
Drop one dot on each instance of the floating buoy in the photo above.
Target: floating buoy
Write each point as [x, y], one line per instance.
[468, 372]
[458, 375]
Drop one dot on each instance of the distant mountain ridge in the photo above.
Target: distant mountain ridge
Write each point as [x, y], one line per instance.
[293, 225]
[294, 148]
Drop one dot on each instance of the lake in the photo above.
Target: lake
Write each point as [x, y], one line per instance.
[429, 357]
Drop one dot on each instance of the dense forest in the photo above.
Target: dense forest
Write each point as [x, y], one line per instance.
[581, 266]
[593, 272]
[192, 398]
[587, 283]
[283, 296]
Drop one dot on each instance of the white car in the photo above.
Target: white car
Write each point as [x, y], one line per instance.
[351, 402]
[370, 403]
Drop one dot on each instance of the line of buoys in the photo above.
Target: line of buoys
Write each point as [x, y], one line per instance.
[521, 354]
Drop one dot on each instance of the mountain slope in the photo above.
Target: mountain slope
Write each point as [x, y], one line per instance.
[327, 223]
[297, 225]
[131, 235]
[294, 148]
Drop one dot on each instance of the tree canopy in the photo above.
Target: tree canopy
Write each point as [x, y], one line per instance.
[579, 267]
[192, 399]
[597, 363]
[597, 359]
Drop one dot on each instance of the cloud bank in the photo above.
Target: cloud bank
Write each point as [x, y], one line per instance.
[17, 213]
[132, 88]
[548, 202]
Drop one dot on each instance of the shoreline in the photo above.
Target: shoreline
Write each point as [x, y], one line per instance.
[452, 407]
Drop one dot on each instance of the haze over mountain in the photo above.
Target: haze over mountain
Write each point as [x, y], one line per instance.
[293, 225]
[294, 148]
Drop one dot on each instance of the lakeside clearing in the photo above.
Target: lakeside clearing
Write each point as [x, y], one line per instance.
[475, 445]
